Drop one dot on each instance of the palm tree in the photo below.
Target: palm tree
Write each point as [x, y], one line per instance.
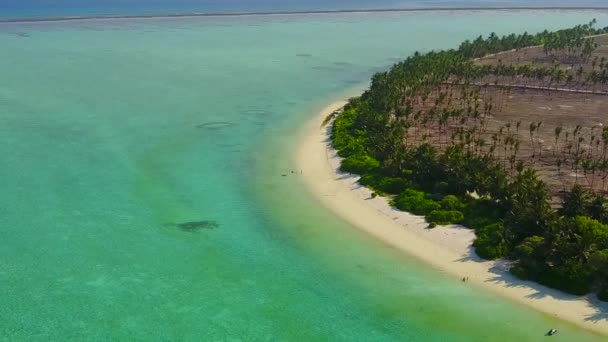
[579, 73]
[558, 131]
[532, 127]
[540, 147]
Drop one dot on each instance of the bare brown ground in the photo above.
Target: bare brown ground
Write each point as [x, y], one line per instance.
[540, 149]
[554, 109]
[536, 57]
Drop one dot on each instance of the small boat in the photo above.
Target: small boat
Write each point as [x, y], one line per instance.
[551, 332]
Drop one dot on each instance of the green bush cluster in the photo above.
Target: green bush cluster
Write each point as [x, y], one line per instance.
[359, 164]
[490, 243]
[387, 185]
[571, 277]
[443, 212]
[347, 139]
[445, 217]
[559, 261]
[451, 202]
[416, 202]
[480, 213]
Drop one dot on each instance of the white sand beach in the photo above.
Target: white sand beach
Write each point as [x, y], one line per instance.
[447, 249]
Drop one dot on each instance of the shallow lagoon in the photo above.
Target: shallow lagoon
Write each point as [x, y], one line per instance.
[116, 132]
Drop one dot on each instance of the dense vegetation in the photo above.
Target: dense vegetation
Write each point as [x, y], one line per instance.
[569, 39]
[420, 134]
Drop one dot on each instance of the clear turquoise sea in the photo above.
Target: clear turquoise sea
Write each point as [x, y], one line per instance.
[113, 131]
[60, 8]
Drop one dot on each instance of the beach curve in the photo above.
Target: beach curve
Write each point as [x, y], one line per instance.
[447, 249]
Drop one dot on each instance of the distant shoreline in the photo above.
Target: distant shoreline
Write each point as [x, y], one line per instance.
[448, 249]
[283, 13]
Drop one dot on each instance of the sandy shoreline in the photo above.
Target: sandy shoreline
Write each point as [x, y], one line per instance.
[445, 248]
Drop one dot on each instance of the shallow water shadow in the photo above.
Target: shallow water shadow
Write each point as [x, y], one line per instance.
[216, 125]
[17, 33]
[194, 226]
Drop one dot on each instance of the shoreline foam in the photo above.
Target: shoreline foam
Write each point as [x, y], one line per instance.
[448, 249]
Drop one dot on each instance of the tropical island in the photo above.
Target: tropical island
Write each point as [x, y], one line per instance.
[504, 136]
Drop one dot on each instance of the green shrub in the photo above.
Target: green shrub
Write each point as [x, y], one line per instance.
[389, 185]
[530, 251]
[572, 277]
[476, 222]
[369, 180]
[359, 164]
[489, 252]
[479, 213]
[415, 202]
[393, 185]
[444, 217]
[451, 202]
[490, 243]
[346, 139]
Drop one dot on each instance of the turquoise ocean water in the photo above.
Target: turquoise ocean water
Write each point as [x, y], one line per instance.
[113, 131]
[62, 8]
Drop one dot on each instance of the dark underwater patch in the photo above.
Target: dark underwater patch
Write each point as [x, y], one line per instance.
[216, 125]
[195, 226]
